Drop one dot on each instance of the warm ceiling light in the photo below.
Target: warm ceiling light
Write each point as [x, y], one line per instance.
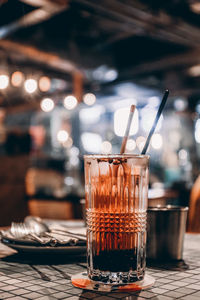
[194, 71]
[47, 105]
[70, 102]
[89, 99]
[195, 7]
[30, 85]
[44, 83]
[4, 81]
[17, 78]
[62, 136]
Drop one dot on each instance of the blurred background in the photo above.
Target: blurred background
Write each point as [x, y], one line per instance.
[69, 71]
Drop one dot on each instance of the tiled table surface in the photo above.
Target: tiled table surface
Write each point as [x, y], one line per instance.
[20, 279]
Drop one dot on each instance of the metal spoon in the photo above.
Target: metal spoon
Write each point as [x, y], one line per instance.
[20, 230]
[40, 227]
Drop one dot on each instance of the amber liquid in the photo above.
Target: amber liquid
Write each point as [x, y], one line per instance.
[115, 238]
[116, 220]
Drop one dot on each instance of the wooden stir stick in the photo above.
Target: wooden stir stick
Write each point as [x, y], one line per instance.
[123, 147]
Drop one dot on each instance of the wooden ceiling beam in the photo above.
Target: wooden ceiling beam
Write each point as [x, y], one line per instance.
[46, 10]
[162, 27]
[45, 3]
[38, 56]
[186, 59]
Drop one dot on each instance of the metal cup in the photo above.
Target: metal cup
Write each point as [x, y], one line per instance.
[165, 232]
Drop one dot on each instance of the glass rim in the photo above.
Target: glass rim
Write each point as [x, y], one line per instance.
[96, 156]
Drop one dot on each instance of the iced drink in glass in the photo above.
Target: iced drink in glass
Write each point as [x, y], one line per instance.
[116, 189]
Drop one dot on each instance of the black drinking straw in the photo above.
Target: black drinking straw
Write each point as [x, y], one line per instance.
[162, 104]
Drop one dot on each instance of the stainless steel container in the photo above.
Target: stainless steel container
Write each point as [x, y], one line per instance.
[165, 232]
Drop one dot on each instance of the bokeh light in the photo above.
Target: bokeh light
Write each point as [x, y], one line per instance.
[74, 161]
[74, 151]
[111, 75]
[69, 180]
[197, 131]
[182, 154]
[62, 136]
[68, 143]
[195, 7]
[17, 78]
[198, 108]
[47, 105]
[120, 121]
[106, 147]
[4, 81]
[157, 141]
[154, 101]
[30, 85]
[130, 145]
[180, 104]
[91, 142]
[194, 71]
[89, 99]
[140, 141]
[70, 102]
[91, 115]
[44, 84]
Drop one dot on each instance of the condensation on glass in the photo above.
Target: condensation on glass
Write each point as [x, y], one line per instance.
[116, 203]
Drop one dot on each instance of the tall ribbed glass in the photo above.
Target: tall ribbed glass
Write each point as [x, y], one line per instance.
[116, 189]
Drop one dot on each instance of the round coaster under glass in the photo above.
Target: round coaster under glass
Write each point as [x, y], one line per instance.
[81, 280]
